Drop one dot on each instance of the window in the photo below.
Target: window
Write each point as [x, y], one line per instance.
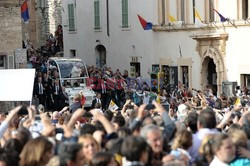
[1, 61]
[194, 11]
[71, 12]
[125, 13]
[11, 62]
[185, 76]
[97, 14]
[72, 53]
[42, 3]
[245, 9]
[163, 11]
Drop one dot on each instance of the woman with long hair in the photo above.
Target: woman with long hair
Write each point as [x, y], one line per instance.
[89, 146]
[36, 152]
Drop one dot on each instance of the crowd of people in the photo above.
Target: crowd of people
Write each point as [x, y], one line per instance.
[52, 47]
[185, 127]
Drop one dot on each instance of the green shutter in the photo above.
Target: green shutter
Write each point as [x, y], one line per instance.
[71, 17]
[97, 14]
[124, 13]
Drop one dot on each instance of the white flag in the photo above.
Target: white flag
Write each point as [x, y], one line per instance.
[198, 21]
[112, 106]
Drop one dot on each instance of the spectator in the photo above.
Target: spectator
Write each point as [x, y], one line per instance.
[9, 158]
[104, 158]
[206, 125]
[191, 122]
[153, 136]
[89, 147]
[36, 152]
[71, 154]
[96, 101]
[135, 149]
[76, 103]
[223, 149]
[55, 117]
[182, 142]
[206, 151]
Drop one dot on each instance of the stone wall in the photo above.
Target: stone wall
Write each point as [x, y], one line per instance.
[10, 26]
[10, 33]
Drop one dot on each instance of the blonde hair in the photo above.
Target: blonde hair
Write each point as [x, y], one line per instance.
[183, 139]
[54, 161]
[206, 149]
[77, 97]
[82, 139]
[34, 150]
[238, 137]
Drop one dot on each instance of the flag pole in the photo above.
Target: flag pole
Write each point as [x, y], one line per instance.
[164, 27]
[215, 25]
[186, 28]
[180, 51]
[232, 23]
[170, 25]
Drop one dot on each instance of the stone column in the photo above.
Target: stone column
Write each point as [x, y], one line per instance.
[32, 22]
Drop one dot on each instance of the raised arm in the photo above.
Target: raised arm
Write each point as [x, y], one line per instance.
[10, 117]
[104, 121]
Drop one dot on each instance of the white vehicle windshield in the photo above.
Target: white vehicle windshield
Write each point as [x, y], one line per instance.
[72, 73]
[72, 69]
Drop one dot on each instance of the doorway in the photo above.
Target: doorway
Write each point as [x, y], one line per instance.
[135, 69]
[210, 74]
[100, 56]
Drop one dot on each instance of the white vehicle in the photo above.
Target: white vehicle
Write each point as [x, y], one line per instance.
[73, 76]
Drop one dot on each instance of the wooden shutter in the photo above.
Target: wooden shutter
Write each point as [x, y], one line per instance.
[71, 17]
[124, 13]
[97, 14]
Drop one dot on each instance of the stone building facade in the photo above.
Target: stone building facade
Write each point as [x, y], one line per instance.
[10, 27]
[199, 51]
[10, 36]
[48, 18]
[45, 16]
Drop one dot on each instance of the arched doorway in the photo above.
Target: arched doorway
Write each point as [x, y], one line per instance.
[212, 70]
[210, 74]
[212, 46]
[100, 56]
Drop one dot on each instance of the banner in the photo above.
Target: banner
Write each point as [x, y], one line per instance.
[16, 84]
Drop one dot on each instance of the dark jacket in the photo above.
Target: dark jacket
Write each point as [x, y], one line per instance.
[74, 106]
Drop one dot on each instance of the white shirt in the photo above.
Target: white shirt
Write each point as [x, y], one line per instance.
[217, 162]
[98, 100]
[40, 88]
[57, 89]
